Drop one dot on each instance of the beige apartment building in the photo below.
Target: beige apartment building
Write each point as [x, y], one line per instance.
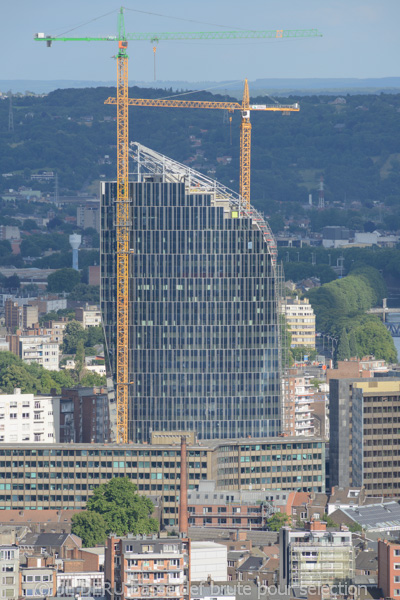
[300, 319]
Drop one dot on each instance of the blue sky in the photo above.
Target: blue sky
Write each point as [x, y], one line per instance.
[360, 39]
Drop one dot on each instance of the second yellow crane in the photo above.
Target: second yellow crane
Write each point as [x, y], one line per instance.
[245, 127]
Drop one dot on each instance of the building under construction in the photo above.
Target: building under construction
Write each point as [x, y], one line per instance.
[204, 338]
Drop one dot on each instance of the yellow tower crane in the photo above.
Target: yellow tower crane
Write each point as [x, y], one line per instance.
[122, 201]
[245, 126]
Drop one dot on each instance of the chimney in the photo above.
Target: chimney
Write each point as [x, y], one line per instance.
[315, 525]
[183, 509]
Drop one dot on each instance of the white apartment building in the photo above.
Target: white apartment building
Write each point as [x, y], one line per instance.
[40, 349]
[315, 556]
[9, 572]
[300, 319]
[90, 316]
[298, 398]
[25, 418]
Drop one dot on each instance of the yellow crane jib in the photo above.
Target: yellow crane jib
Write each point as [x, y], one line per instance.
[245, 128]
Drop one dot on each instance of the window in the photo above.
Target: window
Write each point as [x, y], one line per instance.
[8, 568]
[13, 415]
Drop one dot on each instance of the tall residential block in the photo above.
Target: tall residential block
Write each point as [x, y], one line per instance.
[365, 445]
[300, 319]
[204, 340]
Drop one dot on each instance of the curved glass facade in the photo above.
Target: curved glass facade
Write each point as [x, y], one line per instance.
[203, 320]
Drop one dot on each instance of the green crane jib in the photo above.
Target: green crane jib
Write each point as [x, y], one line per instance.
[187, 35]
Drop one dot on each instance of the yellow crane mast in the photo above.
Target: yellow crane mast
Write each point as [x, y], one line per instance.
[122, 238]
[245, 126]
[122, 201]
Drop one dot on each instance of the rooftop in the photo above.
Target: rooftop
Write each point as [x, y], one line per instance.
[376, 517]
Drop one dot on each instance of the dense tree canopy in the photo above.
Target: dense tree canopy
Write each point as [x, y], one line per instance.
[63, 280]
[340, 308]
[32, 379]
[91, 527]
[122, 509]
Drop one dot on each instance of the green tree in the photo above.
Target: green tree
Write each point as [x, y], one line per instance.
[29, 224]
[94, 336]
[63, 280]
[79, 359]
[90, 526]
[32, 379]
[73, 333]
[86, 293]
[343, 348]
[277, 521]
[12, 282]
[92, 379]
[122, 508]
[353, 344]
[372, 337]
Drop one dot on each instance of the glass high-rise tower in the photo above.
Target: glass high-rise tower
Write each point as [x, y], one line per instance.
[204, 349]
